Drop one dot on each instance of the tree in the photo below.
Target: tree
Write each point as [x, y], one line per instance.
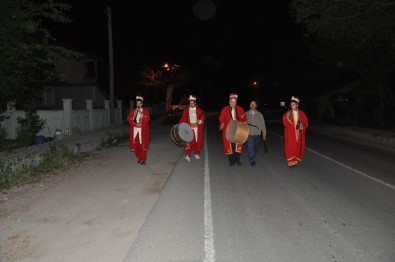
[355, 36]
[27, 49]
[156, 81]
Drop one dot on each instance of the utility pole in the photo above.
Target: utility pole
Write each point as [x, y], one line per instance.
[111, 64]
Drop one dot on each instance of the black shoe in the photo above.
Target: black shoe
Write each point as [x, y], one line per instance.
[252, 164]
[231, 163]
[139, 161]
[142, 162]
[238, 163]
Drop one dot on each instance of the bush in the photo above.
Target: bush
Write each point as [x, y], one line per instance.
[28, 128]
[11, 174]
[3, 136]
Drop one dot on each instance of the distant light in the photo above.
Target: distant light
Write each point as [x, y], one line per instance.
[166, 65]
[204, 9]
[282, 103]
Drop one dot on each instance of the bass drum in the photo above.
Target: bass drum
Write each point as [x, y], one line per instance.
[237, 132]
[181, 134]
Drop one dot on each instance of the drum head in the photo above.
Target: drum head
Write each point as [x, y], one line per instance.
[237, 132]
[175, 137]
[185, 132]
[231, 130]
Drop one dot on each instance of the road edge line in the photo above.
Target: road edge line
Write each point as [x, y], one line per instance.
[209, 250]
[344, 165]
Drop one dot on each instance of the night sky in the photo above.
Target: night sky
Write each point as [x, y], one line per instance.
[241, 42]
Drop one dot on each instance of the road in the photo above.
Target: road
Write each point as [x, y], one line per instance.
[337, 205]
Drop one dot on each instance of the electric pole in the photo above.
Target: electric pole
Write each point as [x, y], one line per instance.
[111, 64]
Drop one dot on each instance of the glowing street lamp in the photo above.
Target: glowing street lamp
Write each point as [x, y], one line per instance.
[170, 82]
[170, 67]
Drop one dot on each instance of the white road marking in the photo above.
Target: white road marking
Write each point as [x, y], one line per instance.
[344, 165]
[209, 250]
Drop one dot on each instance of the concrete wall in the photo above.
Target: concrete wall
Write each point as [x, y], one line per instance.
[53, 97]
[66, 120]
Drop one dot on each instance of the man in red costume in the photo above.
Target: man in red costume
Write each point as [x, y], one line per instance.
[295, 124]
[195, 117]
[139, 138]
[228, 113]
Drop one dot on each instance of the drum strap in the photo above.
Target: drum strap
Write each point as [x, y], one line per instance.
[254, 126]
[231, 116]
[198, 117]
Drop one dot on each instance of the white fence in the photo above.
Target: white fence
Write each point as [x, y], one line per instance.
[53, 120]
[66, 120]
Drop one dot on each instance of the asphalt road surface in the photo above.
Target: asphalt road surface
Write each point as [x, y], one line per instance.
[337, 205]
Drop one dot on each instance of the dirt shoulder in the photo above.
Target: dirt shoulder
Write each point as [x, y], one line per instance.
[87, 212]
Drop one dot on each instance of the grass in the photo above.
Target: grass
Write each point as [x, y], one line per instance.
[58, 156]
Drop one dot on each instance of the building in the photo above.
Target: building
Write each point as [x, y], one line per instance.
[78, 80]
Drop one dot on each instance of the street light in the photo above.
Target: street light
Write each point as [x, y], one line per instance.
[169, 81]
[170, 67]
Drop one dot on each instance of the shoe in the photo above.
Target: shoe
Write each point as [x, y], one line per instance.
[139, 161]
[142, 162]
[187, 158]
[197, 157]
[252, 164]
[231, 163]
[238, 163]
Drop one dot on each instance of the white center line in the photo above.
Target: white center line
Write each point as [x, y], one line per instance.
[344, 165]
[209, 250]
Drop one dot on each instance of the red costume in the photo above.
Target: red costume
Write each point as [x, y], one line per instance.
[294, 135]
[197, 126]
[225, 118]
[139, 132]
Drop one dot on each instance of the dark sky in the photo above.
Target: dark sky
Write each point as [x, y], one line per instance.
[241, 42]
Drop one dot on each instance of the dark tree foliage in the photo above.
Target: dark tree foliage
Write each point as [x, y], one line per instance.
[160, 83]
[27, 49]
[357, 36]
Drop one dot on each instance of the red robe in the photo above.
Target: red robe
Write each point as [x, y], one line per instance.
[200, 115]
[145, 133]
[294, 145]
[225, 117]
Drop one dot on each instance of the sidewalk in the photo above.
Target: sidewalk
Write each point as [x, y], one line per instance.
[88, 212]
[373, 137]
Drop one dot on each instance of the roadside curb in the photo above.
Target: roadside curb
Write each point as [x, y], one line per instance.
[372, 136]
[21, 158]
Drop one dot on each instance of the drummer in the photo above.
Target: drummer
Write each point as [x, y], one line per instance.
[195, 117]
[228, 113]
